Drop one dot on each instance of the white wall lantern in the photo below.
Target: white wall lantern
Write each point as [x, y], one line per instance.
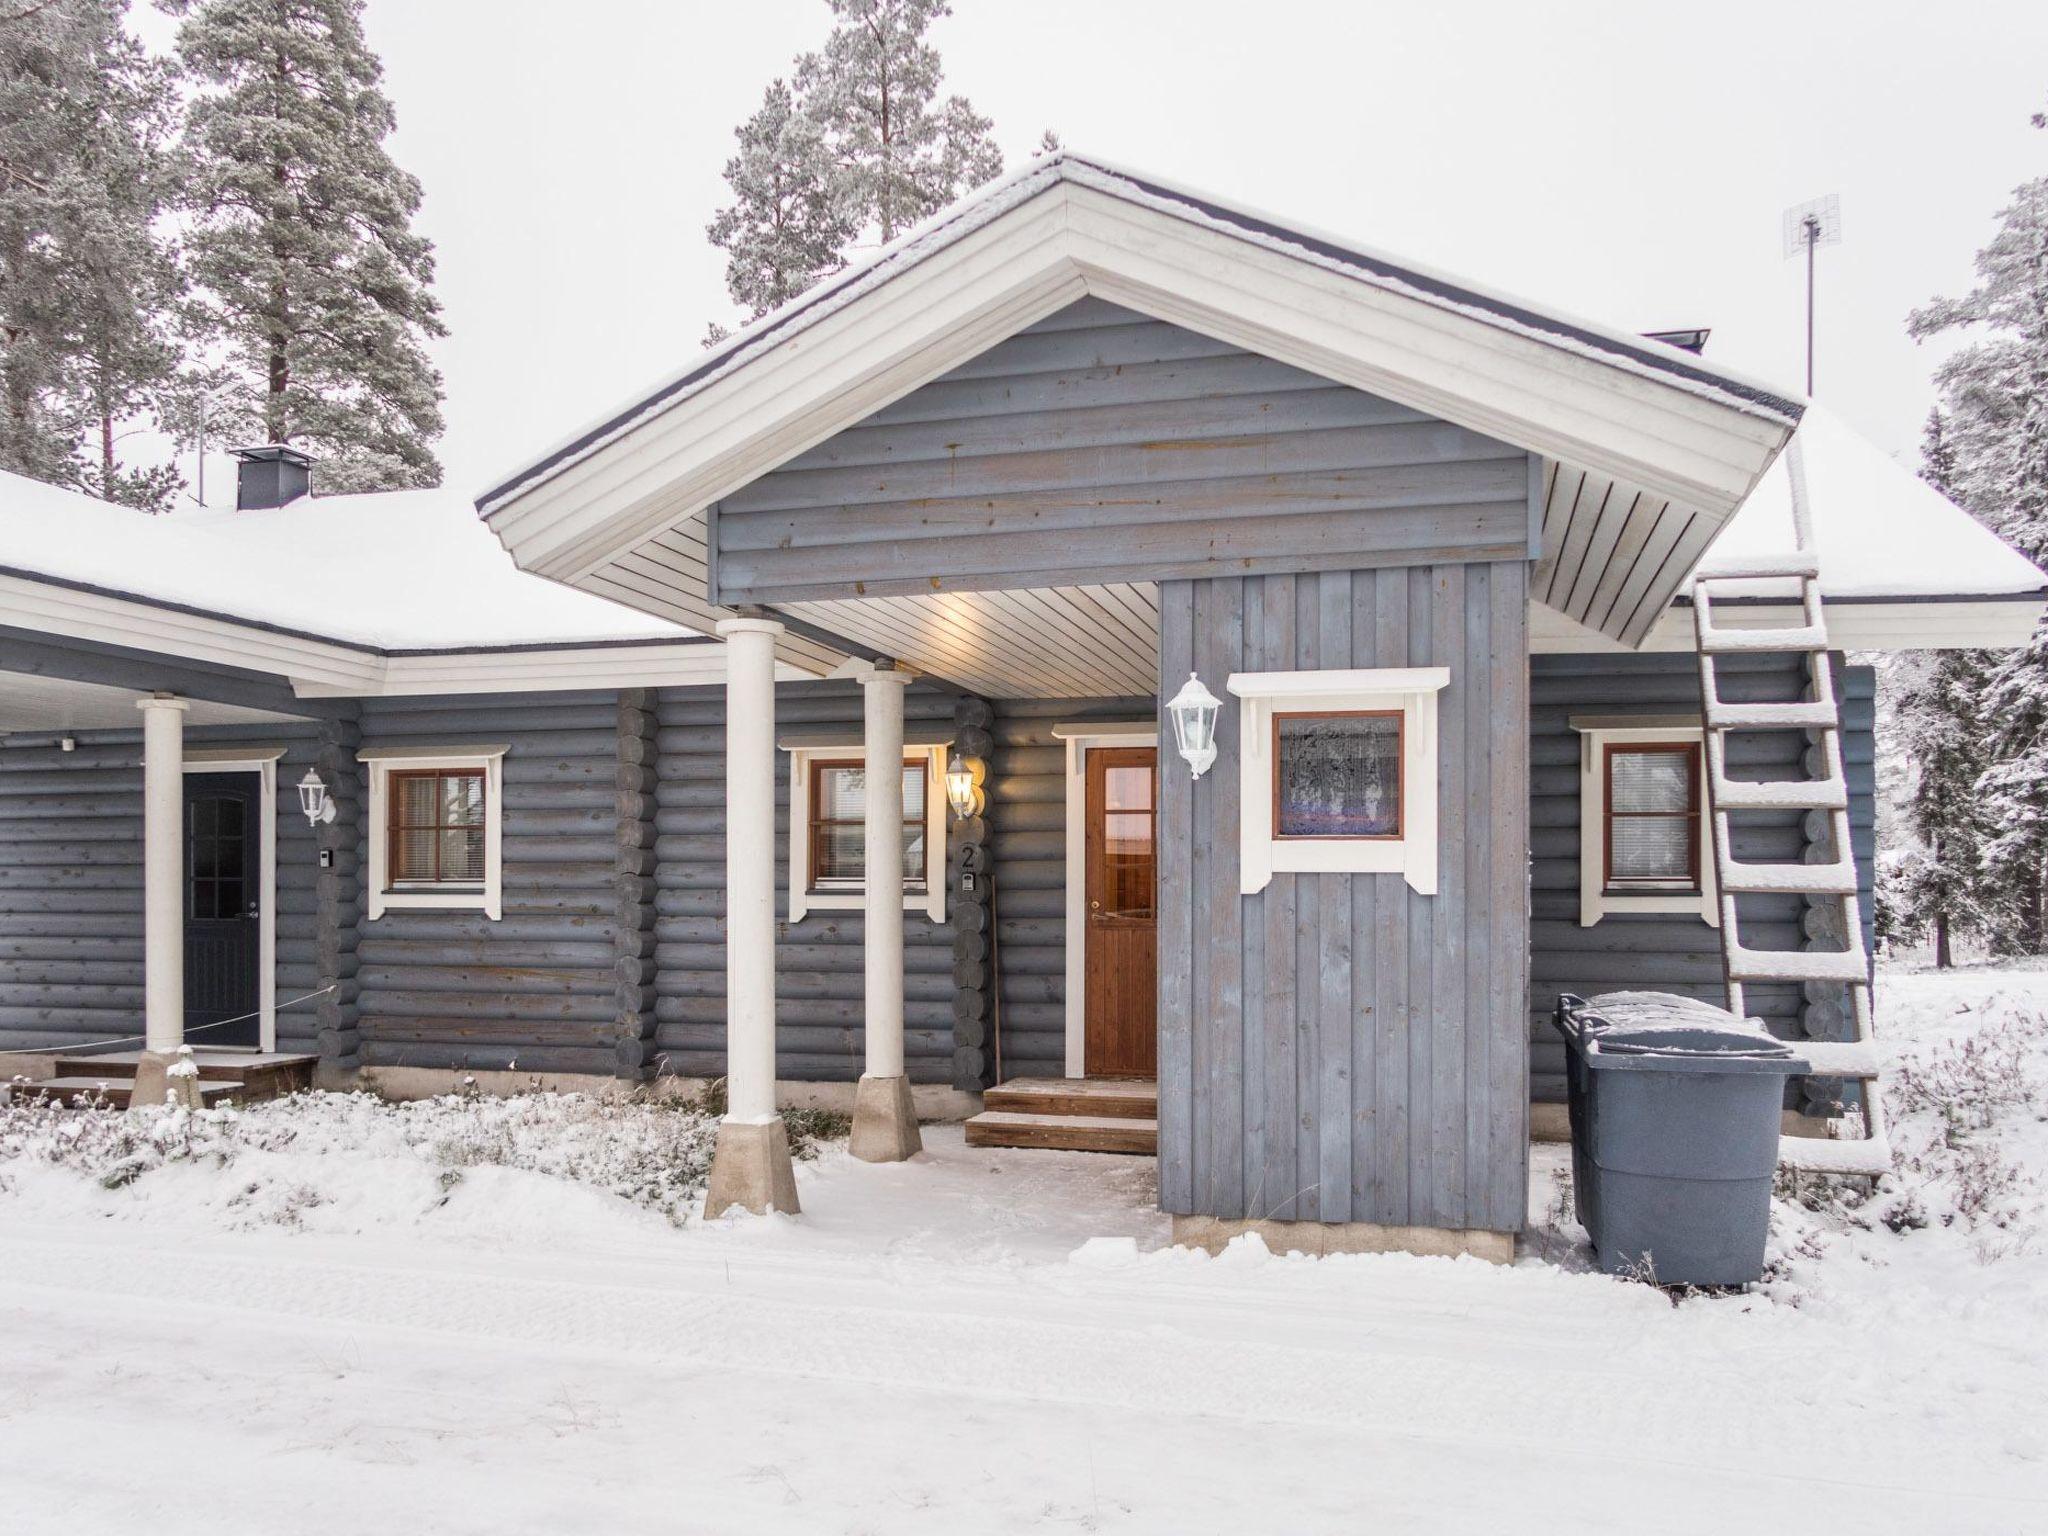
[962, 792]
[1194, 724]
[313, 799]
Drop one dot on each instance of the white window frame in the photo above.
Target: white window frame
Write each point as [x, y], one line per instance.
[802, 900]
[382, 763]
[1410, 690]
[1596, 734]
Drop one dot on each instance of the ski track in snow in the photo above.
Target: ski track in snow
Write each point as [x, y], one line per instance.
[928, 1351]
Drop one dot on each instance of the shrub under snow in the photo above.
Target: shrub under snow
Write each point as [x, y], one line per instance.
[297, 1154]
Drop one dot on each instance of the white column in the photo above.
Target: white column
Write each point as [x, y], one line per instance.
[750, 867]
[883, 690]
[884, 1120]
[163, 873]
[750, 1169]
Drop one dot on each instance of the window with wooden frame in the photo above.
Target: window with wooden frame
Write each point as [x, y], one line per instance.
[436, 828]
[1652, 816]
[1642, 818]
[838, 825]
[435, 825]
[1337, 774]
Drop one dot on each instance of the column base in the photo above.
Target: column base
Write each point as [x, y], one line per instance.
[1316, 1238]
[884, 1121]
[750, 1170]
[158, 1080]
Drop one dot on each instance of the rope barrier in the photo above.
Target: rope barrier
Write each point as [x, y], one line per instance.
[87, 1045]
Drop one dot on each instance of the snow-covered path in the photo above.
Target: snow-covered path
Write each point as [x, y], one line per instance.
[939, 1347]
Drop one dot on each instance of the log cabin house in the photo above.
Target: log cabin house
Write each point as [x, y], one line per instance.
[584, 780]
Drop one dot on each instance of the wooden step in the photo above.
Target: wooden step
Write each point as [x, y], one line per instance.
[116, 1090]
[1759, 567]
[1718, 640]
[1104, 1097]
[258, 1075]
[1780, 795]
[1066, 1133]
[1810, 1154]
[1803, 715]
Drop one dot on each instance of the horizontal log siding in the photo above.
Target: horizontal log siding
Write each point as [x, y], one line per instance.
[1027, 793]
[820, 974]
[536, 990]
[71, 886]
[1337, 1047]
[1100, 445]
[1668, 953]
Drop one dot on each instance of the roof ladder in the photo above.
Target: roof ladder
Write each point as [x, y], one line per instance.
[1824, 885]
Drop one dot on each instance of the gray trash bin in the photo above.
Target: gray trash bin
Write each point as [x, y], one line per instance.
[1675, 1111]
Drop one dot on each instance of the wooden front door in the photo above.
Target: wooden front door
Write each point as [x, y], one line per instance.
[1122, 929]
[223, 906]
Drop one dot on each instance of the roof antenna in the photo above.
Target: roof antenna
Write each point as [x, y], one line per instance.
[1808, 227]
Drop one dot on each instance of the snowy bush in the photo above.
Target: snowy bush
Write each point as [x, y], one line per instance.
[650, 1153]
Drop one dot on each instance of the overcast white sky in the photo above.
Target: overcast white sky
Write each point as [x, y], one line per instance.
[1627, 161]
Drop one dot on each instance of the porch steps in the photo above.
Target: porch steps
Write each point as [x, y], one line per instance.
[225, 1077]
[1070, 1114]
[1826, 884]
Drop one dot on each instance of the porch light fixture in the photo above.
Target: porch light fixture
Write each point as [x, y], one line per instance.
[1194, 723]
[313, 799]
[961, 791]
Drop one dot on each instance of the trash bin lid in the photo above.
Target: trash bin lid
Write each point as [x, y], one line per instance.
[1658, 1028]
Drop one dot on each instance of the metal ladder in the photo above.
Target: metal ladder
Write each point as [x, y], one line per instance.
[1821, 883]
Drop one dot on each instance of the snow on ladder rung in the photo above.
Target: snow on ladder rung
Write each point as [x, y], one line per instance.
[1839, 1058]
[1805, 715]
[1783, 795]
[1758, 567]
[1871, 1157]
[1790, 879]
[1847, 965]
[1716, 641]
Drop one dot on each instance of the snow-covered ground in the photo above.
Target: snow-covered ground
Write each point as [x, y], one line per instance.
[339, 1317]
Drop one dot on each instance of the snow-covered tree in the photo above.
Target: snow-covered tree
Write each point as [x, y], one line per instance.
[902, 152]
[1994, 393]
[311, 275]
[784, 229]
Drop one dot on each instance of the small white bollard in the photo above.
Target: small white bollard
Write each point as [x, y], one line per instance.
[181, 1080]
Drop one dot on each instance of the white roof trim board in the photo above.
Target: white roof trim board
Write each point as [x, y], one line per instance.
[1687, 435]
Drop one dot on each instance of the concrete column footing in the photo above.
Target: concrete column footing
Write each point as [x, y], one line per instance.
[1316, 1238]
[884, 1121]
[750, 1170]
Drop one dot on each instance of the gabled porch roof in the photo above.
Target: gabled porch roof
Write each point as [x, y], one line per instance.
[1673, 445]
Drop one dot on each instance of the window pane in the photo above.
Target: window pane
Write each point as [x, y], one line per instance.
[839, 852]
[842, 794]
[913, 792]
[1650, 781]
[1653, 847]
[1337, 776]
[462, 853]
[1127, 789]
[412, 854]
[415, 797]
[913, 853]
[462, 800]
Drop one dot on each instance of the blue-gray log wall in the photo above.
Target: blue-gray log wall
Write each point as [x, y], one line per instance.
[536, 990]
[1670, 952]
[820, 975]
[71, 887]
[1101, 445]
[1337, 1047]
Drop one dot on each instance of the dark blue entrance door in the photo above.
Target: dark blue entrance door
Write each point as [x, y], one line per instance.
[223, 907]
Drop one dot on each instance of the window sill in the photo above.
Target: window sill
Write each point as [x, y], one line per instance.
[437, 901]
[853, 901]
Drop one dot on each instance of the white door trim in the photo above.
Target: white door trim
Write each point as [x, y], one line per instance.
[265, 769]
[1080, 740]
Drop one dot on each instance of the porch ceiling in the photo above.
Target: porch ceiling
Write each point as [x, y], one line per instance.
[48, 704]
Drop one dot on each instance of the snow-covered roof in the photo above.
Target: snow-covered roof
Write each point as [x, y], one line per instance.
[1880, 530]
[395, 570]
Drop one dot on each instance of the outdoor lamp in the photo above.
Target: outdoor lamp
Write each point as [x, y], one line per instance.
[313, 799]
[1194, 723]
[961, 792]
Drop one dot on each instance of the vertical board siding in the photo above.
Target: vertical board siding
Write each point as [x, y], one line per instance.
[71, 887]
[535, 990]
[1101, 445]
[1670, 952]
[820, 974]
[1344, 1049]
[1027, 816]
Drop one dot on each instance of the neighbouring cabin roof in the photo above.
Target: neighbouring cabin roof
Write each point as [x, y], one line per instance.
[394, 571]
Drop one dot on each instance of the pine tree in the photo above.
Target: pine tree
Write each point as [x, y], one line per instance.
[303, 247]
[784, 229]
[902, 153]
[1995, 436]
